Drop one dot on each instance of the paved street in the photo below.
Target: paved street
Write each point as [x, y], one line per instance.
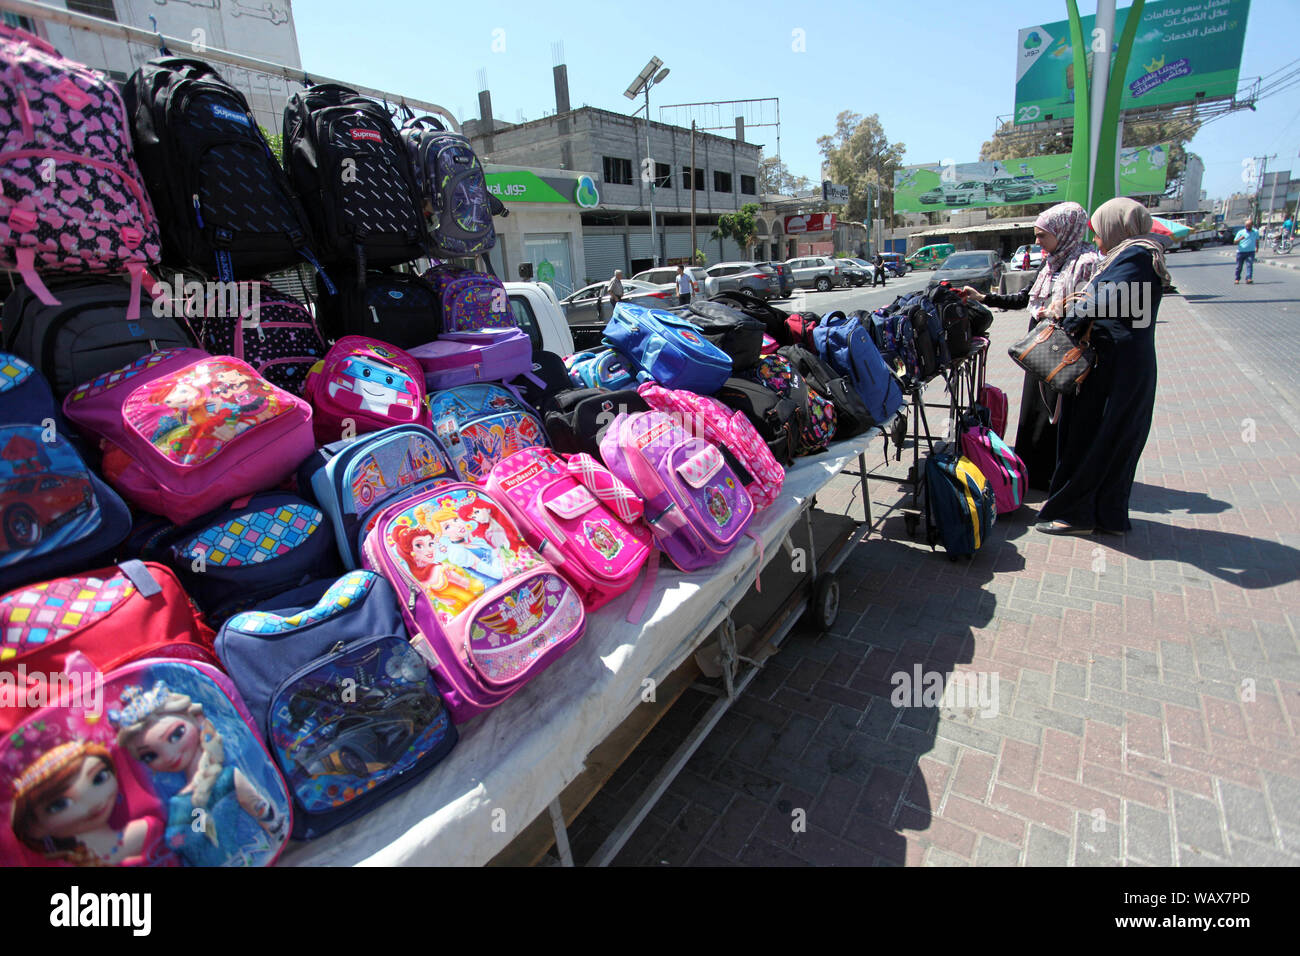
[1148, 697]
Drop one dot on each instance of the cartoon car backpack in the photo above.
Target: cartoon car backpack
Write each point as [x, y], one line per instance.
[363, 385]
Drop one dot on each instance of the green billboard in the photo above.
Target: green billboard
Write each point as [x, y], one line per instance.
[1183, 51]
[1017, 182]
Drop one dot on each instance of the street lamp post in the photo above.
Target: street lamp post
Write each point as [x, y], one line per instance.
[648, 77]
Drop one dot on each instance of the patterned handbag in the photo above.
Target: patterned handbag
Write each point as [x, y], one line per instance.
[1055, 357]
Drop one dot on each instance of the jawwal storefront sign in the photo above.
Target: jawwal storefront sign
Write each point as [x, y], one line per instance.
[521, 185]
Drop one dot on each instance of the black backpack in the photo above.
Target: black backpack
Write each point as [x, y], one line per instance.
[348, 163]
[737, 334]
[548, 368]
[776, 419]
[852, 416]
[955, 315]
[225, 206]
[87, 333]
[773, 319]
[395, 307]
[577, 417]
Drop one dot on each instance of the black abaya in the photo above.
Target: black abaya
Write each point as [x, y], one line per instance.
[1035, 434]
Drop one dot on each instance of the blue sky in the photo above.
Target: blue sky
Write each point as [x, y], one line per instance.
[937, 72]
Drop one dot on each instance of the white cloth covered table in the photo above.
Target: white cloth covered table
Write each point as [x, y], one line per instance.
[513, 761]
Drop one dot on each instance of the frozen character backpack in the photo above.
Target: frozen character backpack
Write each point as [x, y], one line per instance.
[481, 424]
[694, 502]
[346, 706]
[184, 432]
[363, 385]
[486, 610]
[56, 515]
[71, 197]
[597, 550]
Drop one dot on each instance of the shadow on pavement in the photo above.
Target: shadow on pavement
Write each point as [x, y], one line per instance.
[1164, 501]
[1240, 560]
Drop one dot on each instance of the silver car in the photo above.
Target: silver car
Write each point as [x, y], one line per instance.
[591, 303]
[667, 276]
[748, 277]
[822, 273]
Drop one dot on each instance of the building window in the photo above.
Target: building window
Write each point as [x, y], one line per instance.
[699, 179]
[94, 8]
[748, 185]
[618, 171]
[663, 176]
[721, 181]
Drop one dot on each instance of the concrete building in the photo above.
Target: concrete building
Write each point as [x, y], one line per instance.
[256, 28]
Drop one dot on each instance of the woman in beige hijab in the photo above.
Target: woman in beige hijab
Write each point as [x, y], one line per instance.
[1104, 428]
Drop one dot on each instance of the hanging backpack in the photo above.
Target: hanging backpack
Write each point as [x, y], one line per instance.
[815, 413]
[1000, 465]
[470, 301]
[347, 708]
[175, 763]
[695, 503]
[487, 611]
[363, 385]
[394, 307]
[73, 201]
[589, 544]
[56, 514]
[666, 347]
[844, 345]
[353, 481]
[602, 368]
[851, 414]
[577, 418]
[225, 204]
[453, 188]
[481, 424]
[960, 508]
[346, 160]
[955, 318]
[468, 358]
[184, 432]
[277, 336]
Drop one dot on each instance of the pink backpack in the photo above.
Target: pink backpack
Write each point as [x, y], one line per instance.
[487, 611]
[73, 201]
[694, 503]
[726, 428]
[590, 545]
[998, 463]
[183, 432]
[364, 385]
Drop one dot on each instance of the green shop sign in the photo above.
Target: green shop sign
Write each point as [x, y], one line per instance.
[520, 185]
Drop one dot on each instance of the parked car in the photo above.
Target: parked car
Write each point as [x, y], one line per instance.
[1017, 191]
[979, 268]
[783, 275]
[667, 276]
[1044, 187]
[931, 197]
[747, 277]
[538, 312]
[963, 194]
[895, 265]
[822, 273]
[929, 257]
[1035, 257]
[591, 303]
[856, 272]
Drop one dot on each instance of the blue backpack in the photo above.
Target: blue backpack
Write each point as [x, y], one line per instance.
[353, 481]
[347, 707]
[453, 187]
[479, 425]
[56, 515]
[669, 349]
[603, 368]
[844, 344]
[960, 506]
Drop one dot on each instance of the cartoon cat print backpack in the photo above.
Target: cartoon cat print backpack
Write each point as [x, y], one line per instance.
[453, 188]
[71, 197]
[363, 385]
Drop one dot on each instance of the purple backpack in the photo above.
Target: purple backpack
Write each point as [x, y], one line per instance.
[470, 300]
[453, 187]
[279, 338]
[694, 503]
[468, 358]
[73, 199]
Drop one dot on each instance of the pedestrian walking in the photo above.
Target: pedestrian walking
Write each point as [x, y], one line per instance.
[683, 286]
[1026, 264]
[879, 274]
[615, 287]
[1069, 262]
[1104, 428]
[1247, 241]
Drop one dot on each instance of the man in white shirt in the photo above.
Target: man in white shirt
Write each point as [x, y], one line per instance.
[684, 286]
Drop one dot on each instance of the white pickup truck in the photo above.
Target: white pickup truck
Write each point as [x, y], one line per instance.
[538, 312]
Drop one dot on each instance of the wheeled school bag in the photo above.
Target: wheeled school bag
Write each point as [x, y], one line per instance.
[183, 432]
[1000, 465]
[602, 368]
[277, 335]
[669, 349]
[74, 202]
[591, 546]
[775, 417]
[484, 609]
[576, 419]
[815, 413]
[737, 333]
[844, 344]
[363, 385]
[695, 503]
[353, 481]
[168, 752]
[469, 358]
[56, 515]
[481, 424]
[394, 307]
[851, 414]
[224, 202]
[470, 301]
[348, 709]
[960, 507]
[453, 188]
[346, 160]
[87, 333]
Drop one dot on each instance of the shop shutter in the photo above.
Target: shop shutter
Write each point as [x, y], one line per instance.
[639, 244]
[730, 251]
[604, 254]
[679, 245]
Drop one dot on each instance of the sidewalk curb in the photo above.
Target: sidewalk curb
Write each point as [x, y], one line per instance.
[1259, 261]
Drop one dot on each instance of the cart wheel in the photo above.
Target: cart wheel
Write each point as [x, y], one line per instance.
[911, 520]
[826, 600]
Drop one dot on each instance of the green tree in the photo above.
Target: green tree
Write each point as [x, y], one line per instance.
[858, 155]
[739, 227]
[276, 141]
[774, 177]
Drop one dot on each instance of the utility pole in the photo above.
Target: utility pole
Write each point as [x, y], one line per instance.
[691, 176]
[1259, 187]
[1272, 192]
[654, 239]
